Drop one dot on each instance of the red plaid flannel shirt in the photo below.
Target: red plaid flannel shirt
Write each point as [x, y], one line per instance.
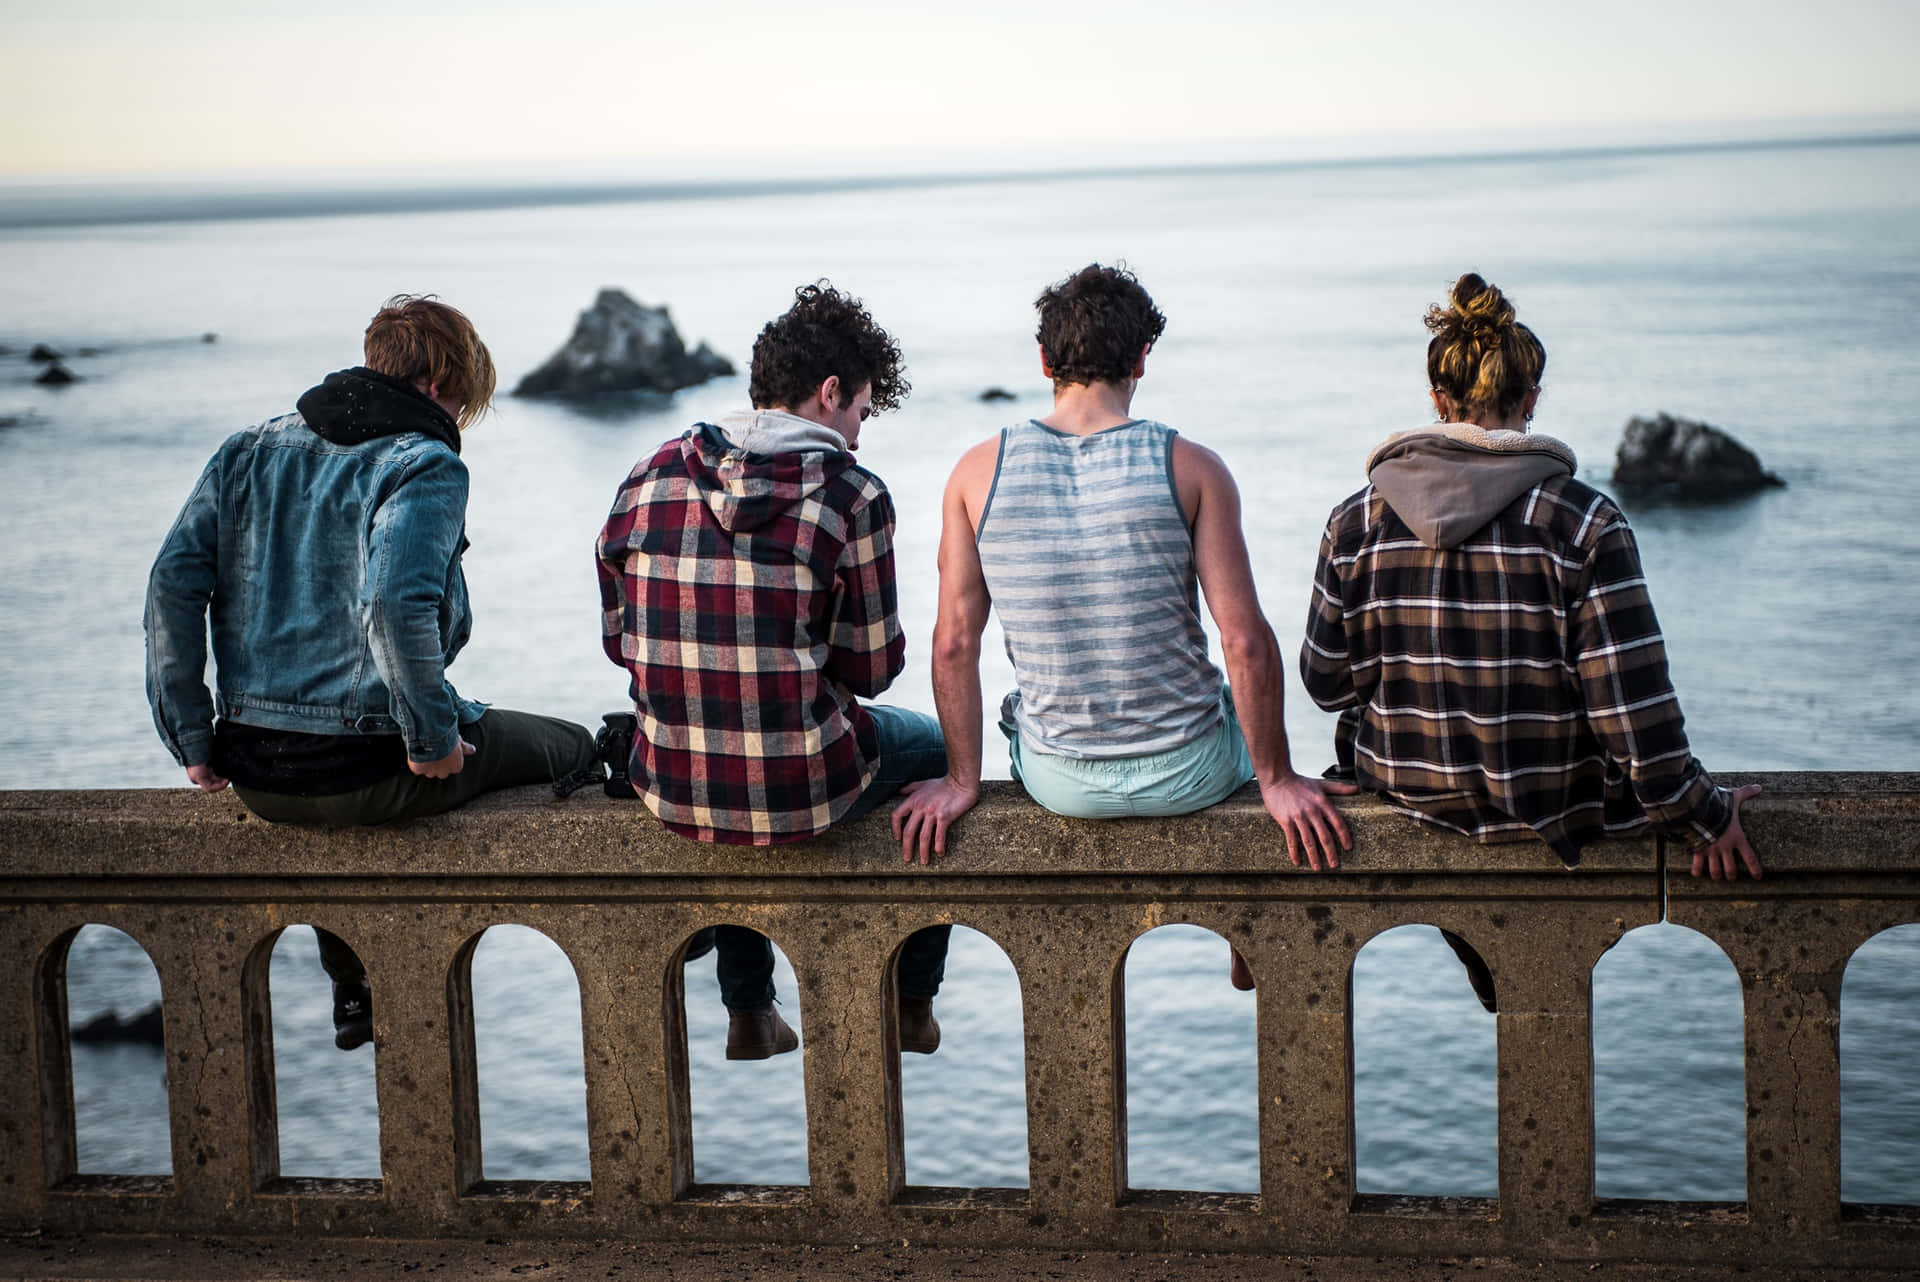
[752, 598]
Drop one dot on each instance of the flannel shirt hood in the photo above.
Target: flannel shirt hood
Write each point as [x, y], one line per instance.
[1449, 480]
[754, 465]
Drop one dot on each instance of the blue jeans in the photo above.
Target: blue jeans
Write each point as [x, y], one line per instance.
[911, 749]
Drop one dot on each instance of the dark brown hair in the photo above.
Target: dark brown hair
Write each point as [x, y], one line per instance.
[825, 333]
[1480, 356]
[417, 338]
[1095, 324]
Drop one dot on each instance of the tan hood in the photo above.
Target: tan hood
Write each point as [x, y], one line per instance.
[1448, 480]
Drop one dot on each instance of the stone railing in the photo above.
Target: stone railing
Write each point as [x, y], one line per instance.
[206, 889]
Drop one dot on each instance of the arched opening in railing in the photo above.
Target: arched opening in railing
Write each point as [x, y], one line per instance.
[1424, 1070]
[1192, 1066]
[314, 1091]
[748, 1109]
[965, 1104]
[1669, 1075]
[101, 986]
[1879, 1076]
[528, 1058]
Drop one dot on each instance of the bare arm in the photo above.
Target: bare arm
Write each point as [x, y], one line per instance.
[921, 821]
[1298, 804]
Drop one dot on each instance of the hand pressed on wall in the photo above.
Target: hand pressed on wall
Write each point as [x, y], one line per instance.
[920, 822]
[1717, 857]
[1300, 806]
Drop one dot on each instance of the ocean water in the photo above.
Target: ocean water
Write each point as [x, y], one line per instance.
[1774, 293]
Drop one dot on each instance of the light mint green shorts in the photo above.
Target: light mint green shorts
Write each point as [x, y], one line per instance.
[1178, 781]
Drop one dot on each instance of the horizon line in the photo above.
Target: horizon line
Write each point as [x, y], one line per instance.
[135, 207]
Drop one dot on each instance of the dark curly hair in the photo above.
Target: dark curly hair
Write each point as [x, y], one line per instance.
[825, 332]
[1094, 325]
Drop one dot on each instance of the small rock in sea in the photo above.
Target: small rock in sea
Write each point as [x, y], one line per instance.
[144, 1028]
[89, 351]
[56, 375]
[1679, 458]
[620, 345]
[997, 394]
[41, 354]
[209, 337]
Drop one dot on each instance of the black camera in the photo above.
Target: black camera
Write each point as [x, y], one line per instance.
[614, 746]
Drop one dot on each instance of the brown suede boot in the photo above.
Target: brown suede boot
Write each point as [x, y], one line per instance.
[759, 1034]
[1239, 974]
[919, 1030]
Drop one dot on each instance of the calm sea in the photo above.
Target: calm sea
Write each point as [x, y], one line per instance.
[1775, 293]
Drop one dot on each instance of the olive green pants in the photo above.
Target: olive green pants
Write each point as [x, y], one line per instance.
[510, 750]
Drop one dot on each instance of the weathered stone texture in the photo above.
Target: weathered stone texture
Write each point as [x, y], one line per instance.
[205, 889]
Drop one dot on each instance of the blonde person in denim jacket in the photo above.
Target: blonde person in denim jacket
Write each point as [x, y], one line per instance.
[324, 548]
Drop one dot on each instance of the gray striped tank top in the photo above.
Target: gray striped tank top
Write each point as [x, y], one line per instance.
[1089, 561]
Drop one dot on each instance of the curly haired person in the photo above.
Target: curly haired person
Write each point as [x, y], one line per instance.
[747, 585]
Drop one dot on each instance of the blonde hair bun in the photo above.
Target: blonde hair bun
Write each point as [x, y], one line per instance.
[1480, 355]
[1475, 306]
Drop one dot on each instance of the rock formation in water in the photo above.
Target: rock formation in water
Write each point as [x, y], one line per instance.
[997, 394]
[1679, 458]
[622, 346]
[144, 1028]
[41, 354]
[56, 375]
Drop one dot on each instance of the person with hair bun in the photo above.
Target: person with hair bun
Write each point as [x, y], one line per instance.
[324, 549]
[1482, 625]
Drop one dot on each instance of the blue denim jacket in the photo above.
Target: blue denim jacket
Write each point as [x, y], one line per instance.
[331, 576]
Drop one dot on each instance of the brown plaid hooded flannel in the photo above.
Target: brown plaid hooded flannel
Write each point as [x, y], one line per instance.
[1481, 622]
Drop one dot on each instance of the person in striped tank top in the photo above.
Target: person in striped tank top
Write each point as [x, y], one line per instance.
[1095, 534]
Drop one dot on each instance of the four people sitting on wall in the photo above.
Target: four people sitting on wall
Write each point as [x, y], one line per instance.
[1480, 620]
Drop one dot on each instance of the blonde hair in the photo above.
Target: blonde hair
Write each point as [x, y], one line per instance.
[1480, 356]
[417, 338]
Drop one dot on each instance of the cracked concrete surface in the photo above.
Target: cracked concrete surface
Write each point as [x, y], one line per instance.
[1063, 898]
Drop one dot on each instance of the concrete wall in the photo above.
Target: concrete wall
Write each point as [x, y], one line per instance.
[205, 889]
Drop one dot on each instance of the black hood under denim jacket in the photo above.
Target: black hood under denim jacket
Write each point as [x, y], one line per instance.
[354, 406]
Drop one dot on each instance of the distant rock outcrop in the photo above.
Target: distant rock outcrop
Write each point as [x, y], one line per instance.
[622, 346]
[1679, 458]
[997, 394]
[144, 1028]
[41, 354]
[56, 375]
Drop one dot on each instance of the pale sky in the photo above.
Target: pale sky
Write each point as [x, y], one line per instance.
[153, 88]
